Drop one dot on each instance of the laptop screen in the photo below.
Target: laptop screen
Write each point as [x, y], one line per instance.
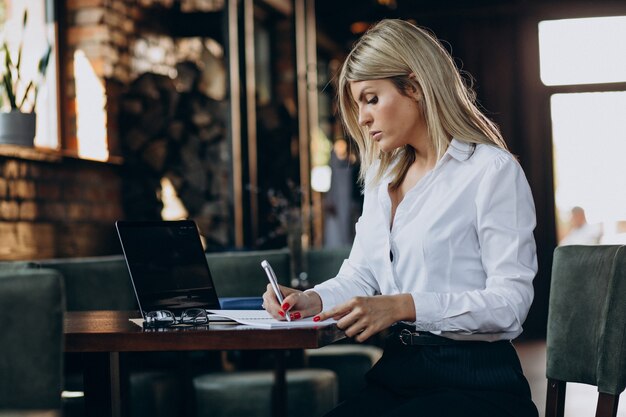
[167, 265]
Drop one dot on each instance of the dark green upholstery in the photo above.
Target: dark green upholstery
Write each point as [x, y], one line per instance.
[156, 394]
[16, 265]
[31, 341]
[97, 283]
[239, 274]
[586, 339]
[103, 283]
[324, 263]
[93, 283]
[310, 392]
[349, 361]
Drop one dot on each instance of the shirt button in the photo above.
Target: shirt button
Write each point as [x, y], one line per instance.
[391, 256]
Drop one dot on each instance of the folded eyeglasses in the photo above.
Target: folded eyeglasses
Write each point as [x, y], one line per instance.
[165, 318]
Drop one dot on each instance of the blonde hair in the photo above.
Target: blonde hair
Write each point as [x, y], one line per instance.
[414, 60]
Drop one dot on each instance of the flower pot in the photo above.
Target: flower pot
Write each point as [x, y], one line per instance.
[17, 128]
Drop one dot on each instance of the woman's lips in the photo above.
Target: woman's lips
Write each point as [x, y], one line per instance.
[376, 135]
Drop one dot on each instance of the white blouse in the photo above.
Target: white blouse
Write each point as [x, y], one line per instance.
[461, 244]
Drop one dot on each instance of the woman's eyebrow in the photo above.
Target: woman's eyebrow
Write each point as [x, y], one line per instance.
[363, 93]
[359, 98]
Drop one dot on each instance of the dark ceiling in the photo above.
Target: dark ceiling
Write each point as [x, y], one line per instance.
[334, 17]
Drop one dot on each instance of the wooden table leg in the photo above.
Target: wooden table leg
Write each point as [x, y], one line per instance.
[279, 404]
[105, 384]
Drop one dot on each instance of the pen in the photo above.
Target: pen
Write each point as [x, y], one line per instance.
[271, 276]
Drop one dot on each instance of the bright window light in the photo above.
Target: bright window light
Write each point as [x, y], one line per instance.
[91, 117]
[589, 143]
[320, 178]
[35, 39]
[173, 208]
[583, 51]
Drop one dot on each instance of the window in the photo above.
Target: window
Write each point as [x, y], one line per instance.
[583, 51]
[35, 38]
[583, 61]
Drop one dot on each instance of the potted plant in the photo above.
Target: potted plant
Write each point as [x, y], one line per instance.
[17, 95]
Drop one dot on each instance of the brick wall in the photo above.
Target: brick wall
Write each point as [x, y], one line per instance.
[103, 30]
[58, 207]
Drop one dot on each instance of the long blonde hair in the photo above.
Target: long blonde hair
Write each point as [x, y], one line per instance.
[414, 60]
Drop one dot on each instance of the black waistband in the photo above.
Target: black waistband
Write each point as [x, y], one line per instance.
[406, 335]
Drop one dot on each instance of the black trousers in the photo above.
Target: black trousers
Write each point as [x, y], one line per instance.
[473, 379]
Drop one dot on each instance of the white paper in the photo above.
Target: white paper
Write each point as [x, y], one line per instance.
[262, 319]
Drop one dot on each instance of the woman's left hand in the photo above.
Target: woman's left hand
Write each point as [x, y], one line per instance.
[363, 317]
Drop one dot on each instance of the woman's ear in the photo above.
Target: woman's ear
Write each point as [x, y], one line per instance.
[415, 87]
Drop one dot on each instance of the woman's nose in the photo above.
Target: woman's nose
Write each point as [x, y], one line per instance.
[365, 118]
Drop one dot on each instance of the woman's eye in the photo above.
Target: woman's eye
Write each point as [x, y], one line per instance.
[372, 100]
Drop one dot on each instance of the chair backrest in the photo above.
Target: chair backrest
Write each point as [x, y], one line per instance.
[239, 274]
[324, 263]
[586, 336]
[31, 340]
[95, 283]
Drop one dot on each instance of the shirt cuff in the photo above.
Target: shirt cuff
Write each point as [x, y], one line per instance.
[326, 295]
[428, 311]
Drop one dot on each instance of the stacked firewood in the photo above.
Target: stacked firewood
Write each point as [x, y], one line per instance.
[170, 129]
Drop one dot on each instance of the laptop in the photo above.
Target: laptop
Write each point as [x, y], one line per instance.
[167, 266]
[169, 271]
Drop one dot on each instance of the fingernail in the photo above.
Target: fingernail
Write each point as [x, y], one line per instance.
[316, 318]
[295, 316]
[281, 313]
[285, 306]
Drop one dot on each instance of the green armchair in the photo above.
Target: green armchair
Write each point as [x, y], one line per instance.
[95, 283]
[31, 341]
[324, 263]
[586, 337]
[239, 274]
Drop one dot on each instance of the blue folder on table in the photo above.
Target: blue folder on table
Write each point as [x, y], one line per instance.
[241, 303]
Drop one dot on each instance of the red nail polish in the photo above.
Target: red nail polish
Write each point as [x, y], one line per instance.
[316, 318]
[281, 313]
[285, 306]
[296, 315]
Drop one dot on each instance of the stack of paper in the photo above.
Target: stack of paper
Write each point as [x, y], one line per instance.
[262, 319]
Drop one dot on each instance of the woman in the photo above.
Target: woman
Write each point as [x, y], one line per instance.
[444, 252]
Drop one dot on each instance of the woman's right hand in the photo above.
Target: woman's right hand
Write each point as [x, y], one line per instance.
[297, 304]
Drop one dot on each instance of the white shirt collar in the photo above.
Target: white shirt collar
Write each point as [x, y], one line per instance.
[461, 151]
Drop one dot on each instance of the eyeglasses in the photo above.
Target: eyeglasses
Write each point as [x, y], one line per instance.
[165, 318]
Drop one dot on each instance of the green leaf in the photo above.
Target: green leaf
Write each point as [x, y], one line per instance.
[8, 85]
[19, 59]
[8, 64]
[7, 79]
[21, 45]
[43, 62]
[25, 96]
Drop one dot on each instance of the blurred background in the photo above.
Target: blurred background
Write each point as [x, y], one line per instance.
[222, 111]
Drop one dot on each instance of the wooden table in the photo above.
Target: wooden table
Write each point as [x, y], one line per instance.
[102, 335]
